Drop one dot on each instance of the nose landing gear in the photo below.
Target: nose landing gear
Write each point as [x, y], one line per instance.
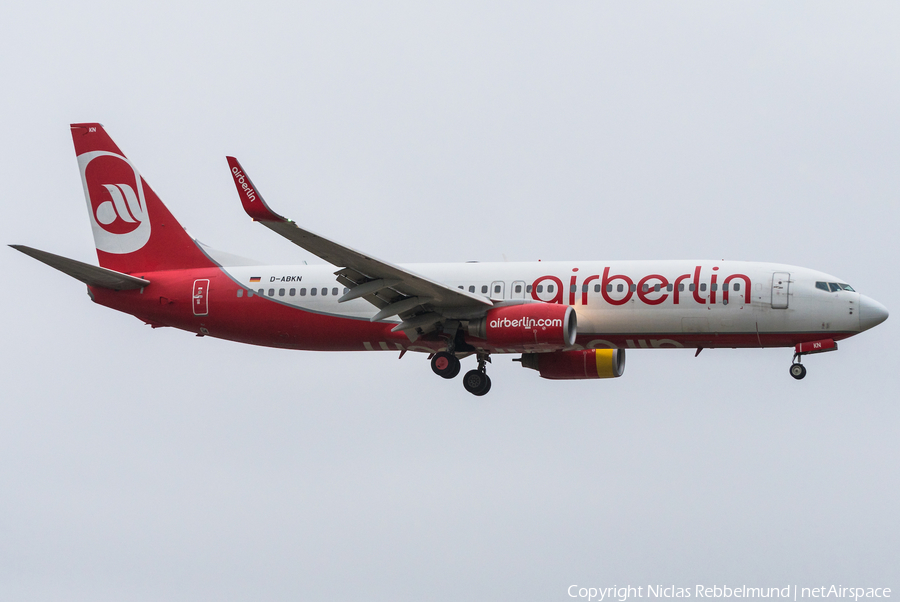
[798, 370]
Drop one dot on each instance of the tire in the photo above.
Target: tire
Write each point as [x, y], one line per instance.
[798, 371]
[487, 386]
[456, 368]
[476, 383]
[445, 365]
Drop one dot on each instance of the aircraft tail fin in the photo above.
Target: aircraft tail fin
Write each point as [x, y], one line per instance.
[133, 229]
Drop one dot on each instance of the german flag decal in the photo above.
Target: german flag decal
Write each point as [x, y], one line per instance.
[254, 279]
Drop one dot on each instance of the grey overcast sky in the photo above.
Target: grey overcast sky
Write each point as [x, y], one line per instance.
[140, 464]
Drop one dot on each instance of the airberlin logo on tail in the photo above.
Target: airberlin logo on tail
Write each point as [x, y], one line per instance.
[124, 206]
[241, 179]
[115, 198]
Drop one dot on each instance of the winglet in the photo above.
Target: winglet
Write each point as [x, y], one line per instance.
[251, 199]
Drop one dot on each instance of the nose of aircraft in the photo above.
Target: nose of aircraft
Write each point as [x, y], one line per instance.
[871, 313]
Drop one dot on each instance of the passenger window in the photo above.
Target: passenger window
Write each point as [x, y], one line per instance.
[528, 288]
[483, 289]
[633, 288]
[834, 287]
[608, 288]
[324, 291]
[540, 288]
[261, 292]
[725, 287]
[645, 288]
[460, 287]
[292, 292]
[737, 286]
[471, 289]
[281, 292]
[620, 288]
[691, 287]
[550, 288]
[249, 293]
[497, 290]
[703, 287]
[573, 288]
[822, 286]
[334, 291]
[597, 288]
[313, 291]
[240, 292]
[302, 292]
[656, 288]
[518, 288]
[271, 292]
[680, 288]
[714, 286]
[669, 287]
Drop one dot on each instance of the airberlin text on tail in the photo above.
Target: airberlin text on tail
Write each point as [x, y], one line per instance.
[133, 230]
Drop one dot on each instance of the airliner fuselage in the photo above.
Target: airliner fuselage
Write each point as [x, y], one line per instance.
[568, 320]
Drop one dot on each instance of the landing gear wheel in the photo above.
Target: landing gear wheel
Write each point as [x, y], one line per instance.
[445, 365]
[476, 382]
[798, 371]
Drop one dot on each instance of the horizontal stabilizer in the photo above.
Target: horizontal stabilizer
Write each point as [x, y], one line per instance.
[85, 272]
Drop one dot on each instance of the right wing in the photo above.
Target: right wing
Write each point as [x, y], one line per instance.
[420, 302]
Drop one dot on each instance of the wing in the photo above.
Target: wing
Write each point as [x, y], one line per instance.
[421, 303]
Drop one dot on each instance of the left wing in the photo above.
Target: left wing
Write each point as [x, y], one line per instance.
[421, 303]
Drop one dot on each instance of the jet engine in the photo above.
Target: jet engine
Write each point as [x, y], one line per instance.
[580, 364]
[527, 324]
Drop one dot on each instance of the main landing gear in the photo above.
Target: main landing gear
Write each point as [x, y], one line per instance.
[445, 365]
[476, 382]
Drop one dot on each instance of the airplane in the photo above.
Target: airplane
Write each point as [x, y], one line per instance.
[565, 319]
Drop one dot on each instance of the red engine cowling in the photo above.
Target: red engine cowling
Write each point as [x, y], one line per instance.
[571, 365]
[527, 324]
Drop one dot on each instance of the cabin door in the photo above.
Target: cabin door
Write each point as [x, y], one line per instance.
[781, 289]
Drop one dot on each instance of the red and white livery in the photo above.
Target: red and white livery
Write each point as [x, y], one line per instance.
[568, 320]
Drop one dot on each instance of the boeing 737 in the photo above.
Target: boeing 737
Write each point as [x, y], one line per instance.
[567, 320]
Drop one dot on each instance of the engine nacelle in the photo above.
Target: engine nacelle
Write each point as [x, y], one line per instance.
[571, 365]
[527, 324]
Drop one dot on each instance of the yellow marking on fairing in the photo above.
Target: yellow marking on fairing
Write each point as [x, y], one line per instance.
[604, 359]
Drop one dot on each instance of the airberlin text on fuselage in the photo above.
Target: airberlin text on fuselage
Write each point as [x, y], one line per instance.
[239, 177]
[609, 283]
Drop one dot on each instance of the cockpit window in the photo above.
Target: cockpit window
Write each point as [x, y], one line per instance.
[834, 287]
